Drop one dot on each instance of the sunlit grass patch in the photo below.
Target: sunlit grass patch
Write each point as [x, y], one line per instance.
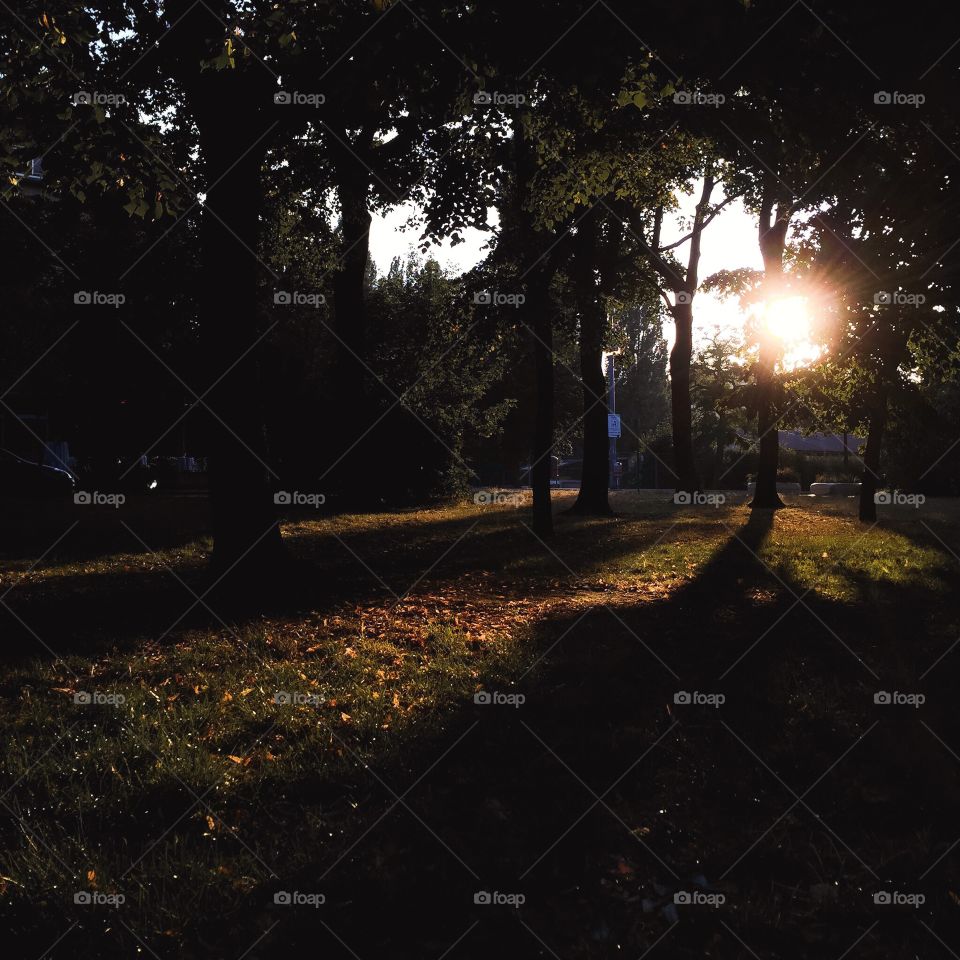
[842, 560]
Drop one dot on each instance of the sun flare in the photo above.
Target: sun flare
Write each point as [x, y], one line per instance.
[790, 321]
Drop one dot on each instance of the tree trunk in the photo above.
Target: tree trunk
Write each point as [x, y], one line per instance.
[765, 496]
[246, 534]
[229, 108]
[684, 465]
[773, 226]
[537, 315]
[350, 318]
[540, 321]
[348, 475]
[871, 458]
[593, 497]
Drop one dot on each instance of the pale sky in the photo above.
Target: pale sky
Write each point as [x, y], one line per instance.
[729, 242]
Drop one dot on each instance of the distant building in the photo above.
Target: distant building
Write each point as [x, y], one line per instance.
[820, 443]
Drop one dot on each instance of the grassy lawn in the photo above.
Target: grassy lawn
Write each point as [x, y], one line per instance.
[331, 744]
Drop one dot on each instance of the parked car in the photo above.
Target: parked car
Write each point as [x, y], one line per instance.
[24, 478]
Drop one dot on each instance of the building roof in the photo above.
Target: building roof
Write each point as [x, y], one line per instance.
[818, 442]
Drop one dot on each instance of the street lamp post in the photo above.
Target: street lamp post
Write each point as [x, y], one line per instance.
[611, 372]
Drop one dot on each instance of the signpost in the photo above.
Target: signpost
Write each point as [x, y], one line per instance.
[613, 424]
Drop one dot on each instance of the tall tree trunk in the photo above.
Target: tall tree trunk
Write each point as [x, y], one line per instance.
[593, 497]
[246, 534]
[684, 286]
[765, 496]
[348, 474]
[349, 302]
[229, 107]
[538, 317]
[871, 456]
[684, 465]
[773, 225]
[540, 321]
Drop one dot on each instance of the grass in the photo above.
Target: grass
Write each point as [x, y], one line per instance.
[332, 744]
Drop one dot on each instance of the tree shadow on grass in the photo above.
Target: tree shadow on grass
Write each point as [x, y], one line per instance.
[104, 607]
[619, 783]
[602, 796]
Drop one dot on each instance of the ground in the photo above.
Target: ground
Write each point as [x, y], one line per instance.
[675, 704]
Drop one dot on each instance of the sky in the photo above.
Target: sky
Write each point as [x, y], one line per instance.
[729, 242]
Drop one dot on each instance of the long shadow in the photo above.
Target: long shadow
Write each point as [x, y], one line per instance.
[602, 796]
[100, 607]
[621, 781]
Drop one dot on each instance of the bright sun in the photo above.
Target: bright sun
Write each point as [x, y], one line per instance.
[789, 320]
